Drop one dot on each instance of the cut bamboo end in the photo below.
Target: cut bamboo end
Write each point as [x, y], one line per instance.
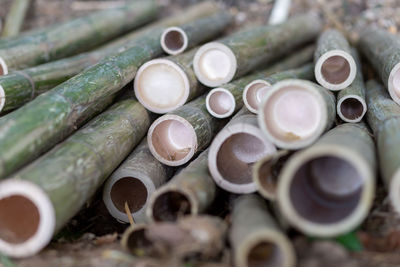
[27, 218]
[351, 108]
[134, 239]
[2, 98]
[325, 191]
[161, 86]
[335, 70]
[394, 191]
[293, 114]
[394, 83]
[172, 140]
[214, 64]
[174, 40]
[3, 67]
[253, 94]
[232, 153]
[220, 103]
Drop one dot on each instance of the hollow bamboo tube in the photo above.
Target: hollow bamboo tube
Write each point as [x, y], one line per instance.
[15, 18]
[49, 118]
[133, 183]
[229, 58]
[328, 189]
[294, 113]
[335, 67]
[191, 191]
[50, 191]
[255, 237]
[351, 105]
[176, 137]
[383, 116]
[175, 40]
[234, 150]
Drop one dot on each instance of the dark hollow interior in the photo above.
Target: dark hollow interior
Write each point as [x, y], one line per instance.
[351, 108]
[138, 243]
[130, 190]
[269, 171]
[171, 205]
[265, 254]
[335, 69]
[174, 40]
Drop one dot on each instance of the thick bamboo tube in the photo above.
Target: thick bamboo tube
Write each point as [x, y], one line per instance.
[15, 18]
[191, 191]
[255, 237]
[383, 116]
[176, 137]
[234, 150]
[220, 62]
[382, 49]
[86, 159]
[294, 113]
[49, 118]
[175, 40]
[135, 180]
[335, 68]
[328, 189]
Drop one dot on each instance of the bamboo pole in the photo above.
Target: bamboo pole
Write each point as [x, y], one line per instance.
[335, 67]
[15, 18]
[234, 150]
[49, 118]
[191, 191]
[328, 189]
[76, 35]
[175, 40]
[382, 49]
[86, 159]
[294, 113]
[133, 183]
[176, 137]
[383, 117]
[229, 58]
[255, 237]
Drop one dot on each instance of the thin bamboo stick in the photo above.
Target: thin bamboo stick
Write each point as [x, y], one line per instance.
[15, 18]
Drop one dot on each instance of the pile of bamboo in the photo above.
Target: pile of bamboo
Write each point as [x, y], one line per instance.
[253, 113]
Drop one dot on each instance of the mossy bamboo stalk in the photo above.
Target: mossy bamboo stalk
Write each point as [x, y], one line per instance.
[243, 51]
[191, 191]
[49, 118]
[383, 116]
[176, 137]
[15, 18]
[335, 68]
[255, 237]
[86, 159]
[328, 189]
[77, 35]
[135, 180]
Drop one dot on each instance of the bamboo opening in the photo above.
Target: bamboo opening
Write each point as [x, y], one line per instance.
[19, 219]
[128, 190]
[254, 93]
[220, 103]
[138, 242]
[265, 254]
[174, 40]
[326, 190]
[170, 206]
[335, 69]
[396, 82]
[351, 108]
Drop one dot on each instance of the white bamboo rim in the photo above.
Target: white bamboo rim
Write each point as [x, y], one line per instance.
[394, 83]
[171, 50]
[3, 66]
[2, 98]
[220, 103]
[252, 100]
[359, 99]
[394, 191]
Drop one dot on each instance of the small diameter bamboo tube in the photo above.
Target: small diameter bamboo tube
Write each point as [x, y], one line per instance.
[50, 117]
[175, 40]
[219, 62]
[335, 67]
[382, 49]
[133, 183]
[255, 237]
[40, 199]
[328, 189]
[294, 113]
[383, 116]
[234, 150]
[191, 191]
[176, 137]
[15, 18]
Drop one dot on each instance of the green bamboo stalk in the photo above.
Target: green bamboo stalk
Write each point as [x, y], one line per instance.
[86, 159]
[52, 116]
[255, 237]
[328, 189]
[77, 35]
[15, 18]
[135, 180]
[335, 68]
[241, 52]
[382, 49]
[383, 116]
[190, 192]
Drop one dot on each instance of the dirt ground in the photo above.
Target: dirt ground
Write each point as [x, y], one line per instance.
[92, 237]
